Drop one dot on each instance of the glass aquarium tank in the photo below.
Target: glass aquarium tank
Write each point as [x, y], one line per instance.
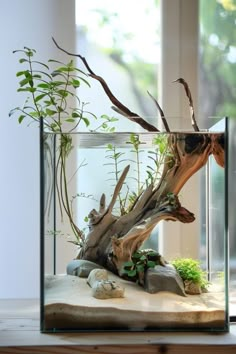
[105, 201]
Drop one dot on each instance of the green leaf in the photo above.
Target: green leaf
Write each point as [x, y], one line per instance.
[117, 155]
[71, 120]
[76, 115]
[113, 119]
[44, 85]
[12, 111]
[85, 81]
[65, 69]
[22, 60]
[136, 255]
[27, 49]
[143, 258]
[58, 83]
[75, 83]
[40, 63]
[140, 267]
[63, 93]
[32, 89]
[128, 264]
[24, 81]
[39, 97]
[35, 114]
[21, 117]
[104, 116]
[55, 61]
[37, 76]
[50, 112]
[151, 264]
[86, 121]
[20, 73]
[153, 254]
[29, 52]
[132, 273]
[27, 89]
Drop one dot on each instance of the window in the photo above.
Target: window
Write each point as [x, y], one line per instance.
[153, 45]
[217, 82]
[112, 37]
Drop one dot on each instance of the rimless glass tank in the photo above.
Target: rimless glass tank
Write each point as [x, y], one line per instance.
[134, 230]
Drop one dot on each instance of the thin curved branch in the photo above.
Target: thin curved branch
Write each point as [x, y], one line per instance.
[188, 93]
[164, 121]
[124, 110]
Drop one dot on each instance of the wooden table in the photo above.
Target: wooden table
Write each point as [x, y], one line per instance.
[19, 334]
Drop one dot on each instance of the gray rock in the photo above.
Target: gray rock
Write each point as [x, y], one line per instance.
[164, 278]
[102, 288]
[81, 267]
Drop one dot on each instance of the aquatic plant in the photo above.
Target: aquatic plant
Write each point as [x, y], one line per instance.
[49, 88]
[190, 269]
[140, 262]
[151, 162]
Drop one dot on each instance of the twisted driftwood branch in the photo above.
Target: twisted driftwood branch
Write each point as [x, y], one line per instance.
[120, 107]
[164, 121]
[188, 93]
[113, 240]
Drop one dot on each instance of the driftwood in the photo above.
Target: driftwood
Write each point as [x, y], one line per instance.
[112, 240]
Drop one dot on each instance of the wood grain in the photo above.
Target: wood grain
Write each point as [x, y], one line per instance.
[133, 349]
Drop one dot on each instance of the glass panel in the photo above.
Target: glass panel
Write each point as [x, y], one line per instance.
[216, 243]
[231, 212]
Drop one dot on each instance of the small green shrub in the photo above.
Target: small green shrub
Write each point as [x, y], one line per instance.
[190, 269]
[140, 262]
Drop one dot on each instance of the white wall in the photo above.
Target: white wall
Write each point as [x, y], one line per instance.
[24, 23]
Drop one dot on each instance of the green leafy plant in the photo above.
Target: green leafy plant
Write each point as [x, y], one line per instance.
[140, 262]
[157, 157]
[190, 269]
[135, 142]
[104, 125]
[49, 87]
[115, 159]
[51, 97]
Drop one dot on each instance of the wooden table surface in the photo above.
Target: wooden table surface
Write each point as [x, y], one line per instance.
[19, 333]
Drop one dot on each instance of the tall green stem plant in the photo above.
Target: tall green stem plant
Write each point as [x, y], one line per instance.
[49, 88]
